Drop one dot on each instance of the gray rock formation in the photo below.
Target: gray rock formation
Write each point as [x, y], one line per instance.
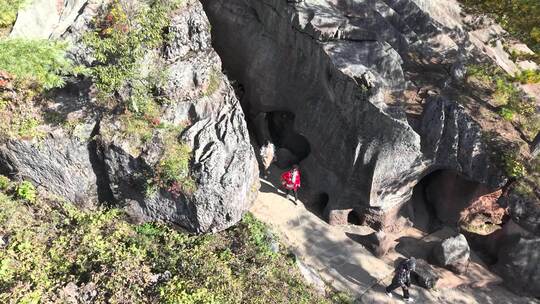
[518, 264]
[452, 253]
[453, 140]
[223, 166]
[43, 19]
[310, 59]
[535, 146]
[424, 275]
[524, 210]
[117, 166]
[61, 164]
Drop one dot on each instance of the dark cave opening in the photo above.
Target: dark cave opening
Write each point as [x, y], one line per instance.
[291, 147]
[439, 198]
[353, 218]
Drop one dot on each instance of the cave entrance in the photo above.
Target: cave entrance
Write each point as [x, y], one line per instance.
[439, 198]
[291, 147]
[353, 218]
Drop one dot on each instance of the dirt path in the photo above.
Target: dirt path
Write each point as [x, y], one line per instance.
[346, 264]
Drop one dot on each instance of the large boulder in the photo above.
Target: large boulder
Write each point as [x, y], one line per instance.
[223, 163]
[452, 253]
[518, 264]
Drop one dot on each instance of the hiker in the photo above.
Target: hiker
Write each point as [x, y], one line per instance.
[291, 181]
[402, 278]
[267, 153]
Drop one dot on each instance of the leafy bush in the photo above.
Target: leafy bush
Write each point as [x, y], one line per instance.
[513, 103]
[507, 114]
[528, 76]
[173, 170]
[5, 183]
[8, 11]
[260, 235]
[40, 63]
[26, 191]
[107, 260]
[513, 166]
[119, 42]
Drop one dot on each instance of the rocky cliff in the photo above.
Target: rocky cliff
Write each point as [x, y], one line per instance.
[329, 64]
[374, 91]
[202, 120]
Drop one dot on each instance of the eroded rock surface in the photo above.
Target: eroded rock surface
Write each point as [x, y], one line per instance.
[452, 253]
[311, 59]
[119, 163]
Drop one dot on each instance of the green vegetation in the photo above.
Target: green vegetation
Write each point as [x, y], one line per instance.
[172, 172]
[56, 252]
[513, 166]
[519, 17]
[528, 76]
[36, 64]
[513, 105]
[8, 11]
[27, 191]
[506, 154]
[119, 43]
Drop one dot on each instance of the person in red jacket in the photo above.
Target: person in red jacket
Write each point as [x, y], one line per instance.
[290, 180]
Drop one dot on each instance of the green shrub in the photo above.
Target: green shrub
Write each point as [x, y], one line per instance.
[507, 114]
[528, 76]
[513, 166]
[173, 170]
[26, 191]
[5, 183]
[260, 235]
[52, 243]
[8, 11]
[40, 63]
[119, 42]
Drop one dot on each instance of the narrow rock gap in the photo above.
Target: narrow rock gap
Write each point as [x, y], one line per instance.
[105, 194]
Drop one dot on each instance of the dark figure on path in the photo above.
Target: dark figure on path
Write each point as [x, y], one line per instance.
[402, 278]
[290, 180]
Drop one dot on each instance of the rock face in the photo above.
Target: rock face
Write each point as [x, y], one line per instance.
[452, 253]
[61, 164]
[535, 146]
[223, 163]
[518, 265]
[43, 19]
[310, 59]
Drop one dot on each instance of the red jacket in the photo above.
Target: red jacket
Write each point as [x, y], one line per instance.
[288, 182]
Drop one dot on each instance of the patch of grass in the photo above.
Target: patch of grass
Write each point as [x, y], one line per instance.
[507, 114]
[513, 166]
[213, 83]
[173, 170]
[8, 11]
[52, 245]
[5, 183]
[506, 155]
[36, 64]
[513, 103]
[528, 76]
